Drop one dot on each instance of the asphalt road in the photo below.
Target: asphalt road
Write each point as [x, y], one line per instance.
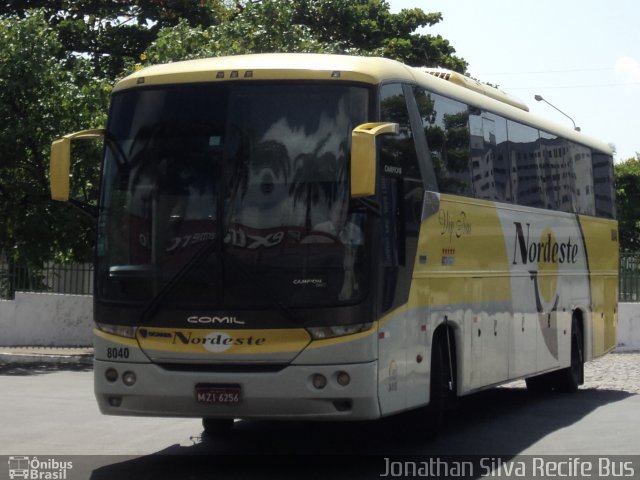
[49, 411]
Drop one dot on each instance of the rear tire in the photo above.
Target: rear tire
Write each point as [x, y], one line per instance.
[570, 378]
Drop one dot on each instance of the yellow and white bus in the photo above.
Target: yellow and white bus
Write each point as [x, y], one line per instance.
[298, 236]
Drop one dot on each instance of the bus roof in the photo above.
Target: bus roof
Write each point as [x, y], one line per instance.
[272, 66]
[369, 70]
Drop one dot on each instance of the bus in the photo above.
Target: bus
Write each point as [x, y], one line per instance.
[327, 237]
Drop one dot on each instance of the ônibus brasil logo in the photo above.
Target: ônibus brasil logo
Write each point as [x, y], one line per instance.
[38, 469]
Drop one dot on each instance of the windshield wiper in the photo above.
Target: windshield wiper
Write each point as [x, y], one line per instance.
[152, 307]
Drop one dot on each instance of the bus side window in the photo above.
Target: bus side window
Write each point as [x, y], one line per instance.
[446, 127]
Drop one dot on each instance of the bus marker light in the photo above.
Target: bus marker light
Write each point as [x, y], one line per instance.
[129, 378]
[111, 375]
[343, 378]
[319, 381]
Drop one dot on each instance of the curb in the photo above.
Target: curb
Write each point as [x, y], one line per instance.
[45, 355]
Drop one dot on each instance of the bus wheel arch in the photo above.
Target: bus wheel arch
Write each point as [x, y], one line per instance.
[567, 379]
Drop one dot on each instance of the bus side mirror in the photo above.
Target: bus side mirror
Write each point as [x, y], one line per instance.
[60, 162]
[364, 156]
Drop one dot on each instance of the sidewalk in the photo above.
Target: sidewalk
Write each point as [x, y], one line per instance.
[82, 355]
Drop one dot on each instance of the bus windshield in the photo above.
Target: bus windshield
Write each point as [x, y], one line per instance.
[232, 196]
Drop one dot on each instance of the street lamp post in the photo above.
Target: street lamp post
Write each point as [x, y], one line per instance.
[539, 98]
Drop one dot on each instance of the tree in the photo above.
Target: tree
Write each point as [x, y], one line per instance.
[627, 176]
[44, 92]
[369, 26]
[357, 27]
[112, 33]
[58, 62]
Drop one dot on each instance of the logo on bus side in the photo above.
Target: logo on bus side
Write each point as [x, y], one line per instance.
[216, 342]
[547, 254]
[454, 224]
[547, 250]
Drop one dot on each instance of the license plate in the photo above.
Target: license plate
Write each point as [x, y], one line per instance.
[219, 394]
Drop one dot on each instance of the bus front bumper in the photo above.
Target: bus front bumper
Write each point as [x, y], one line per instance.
[285, 394]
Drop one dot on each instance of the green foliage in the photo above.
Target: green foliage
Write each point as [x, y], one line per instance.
[113, 33]
[627, 175]
[43, 94]
[58, 60]
[356, 27]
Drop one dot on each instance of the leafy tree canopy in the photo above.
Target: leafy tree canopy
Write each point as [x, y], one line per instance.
[357, 27]
[59, 58]
[42, 97]
[112, 33]
[627, 175]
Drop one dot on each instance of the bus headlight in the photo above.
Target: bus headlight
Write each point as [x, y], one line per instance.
[129, 378]
[111, 375]
[119, 330]
[321, 333]
[319, 381]
[343, 379]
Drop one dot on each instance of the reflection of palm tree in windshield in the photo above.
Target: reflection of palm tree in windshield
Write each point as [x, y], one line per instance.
[172, 179]
[269, 159]
[317, 177]
[258, 175]
[178, 154]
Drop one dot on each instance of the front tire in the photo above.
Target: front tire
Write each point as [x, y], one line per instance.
[438, 388]
[217, 427]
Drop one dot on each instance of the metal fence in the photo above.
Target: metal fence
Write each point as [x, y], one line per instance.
[76, 279]
[629, 290]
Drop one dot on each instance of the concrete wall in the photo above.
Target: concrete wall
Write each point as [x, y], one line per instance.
[628, 327]
[46, 319]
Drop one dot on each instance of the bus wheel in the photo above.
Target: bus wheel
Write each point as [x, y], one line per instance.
[568, 379]
[217, 427]
[438, 388]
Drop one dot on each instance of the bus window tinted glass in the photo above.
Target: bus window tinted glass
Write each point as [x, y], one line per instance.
[603, 184]
[558, 177]
[527, 169]
[583, 194]
[490, 170]
[446, 126]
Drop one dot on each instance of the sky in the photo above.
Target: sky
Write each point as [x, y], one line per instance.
[582, 56]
